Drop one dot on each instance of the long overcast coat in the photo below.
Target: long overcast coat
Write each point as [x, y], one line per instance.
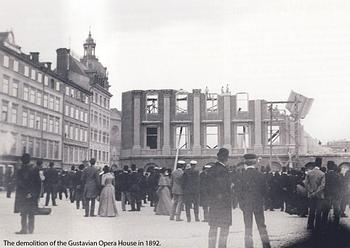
[91, 181]
[220, 196]
[27, 182]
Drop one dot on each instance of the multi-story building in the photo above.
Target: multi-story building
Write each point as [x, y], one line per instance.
[87, 113]
[76, 92]
[99, 104]
[157, 122]
[339, 146]
[31, 104]
[115, 137]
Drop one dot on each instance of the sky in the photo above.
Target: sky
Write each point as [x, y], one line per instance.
[266, 48]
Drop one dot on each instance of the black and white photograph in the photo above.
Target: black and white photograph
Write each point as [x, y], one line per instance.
[175, 124]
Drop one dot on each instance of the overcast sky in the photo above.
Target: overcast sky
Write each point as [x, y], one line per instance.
[266, 48]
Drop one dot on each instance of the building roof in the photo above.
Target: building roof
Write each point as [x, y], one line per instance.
[77, 66]
[8, 39]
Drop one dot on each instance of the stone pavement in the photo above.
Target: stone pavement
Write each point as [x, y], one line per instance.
[66, 223]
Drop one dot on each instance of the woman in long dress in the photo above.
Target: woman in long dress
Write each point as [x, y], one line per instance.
[107, 207]
[164, 203]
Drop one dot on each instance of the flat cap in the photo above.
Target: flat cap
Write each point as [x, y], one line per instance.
[249, 156]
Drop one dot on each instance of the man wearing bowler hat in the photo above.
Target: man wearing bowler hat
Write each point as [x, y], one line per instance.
[191, 189]
[91, 182]
[251, 190]
[220, 202]
[27, 194]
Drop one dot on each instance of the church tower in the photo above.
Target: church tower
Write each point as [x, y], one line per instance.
[89, 47]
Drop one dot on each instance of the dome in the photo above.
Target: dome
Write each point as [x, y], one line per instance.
[89, 40]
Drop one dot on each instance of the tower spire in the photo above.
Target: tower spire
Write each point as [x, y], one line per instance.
[89, 46]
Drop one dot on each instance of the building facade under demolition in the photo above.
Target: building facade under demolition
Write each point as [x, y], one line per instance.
[156, 124]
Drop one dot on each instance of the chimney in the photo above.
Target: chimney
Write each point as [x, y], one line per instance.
[34, 57]
[48, 65]
[62, 61]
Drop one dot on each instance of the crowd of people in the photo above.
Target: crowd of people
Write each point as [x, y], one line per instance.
[312, 191]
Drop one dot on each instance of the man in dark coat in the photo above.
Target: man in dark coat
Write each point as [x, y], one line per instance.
[51, 184]
[203, 192]
[27, 194]
[134, 180]
[91, 181]
[332, 193]
[152, 186]
[191, 188]
[220, 202]
[251, 190]
[124, 186]
[78, 186]
[70, 183]
[284, 189]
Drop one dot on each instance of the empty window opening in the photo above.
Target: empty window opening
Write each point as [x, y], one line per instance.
[242, 102]
[181, 103]
[212, 102]
[243, 136]
[275, 137]
[152, 104]
[152, 137]
[212, 137]
[182, 138]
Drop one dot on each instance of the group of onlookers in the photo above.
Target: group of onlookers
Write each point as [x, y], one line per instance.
[311, 191]
[85, 185]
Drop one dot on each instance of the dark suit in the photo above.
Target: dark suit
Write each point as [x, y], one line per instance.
[27, 196]
[91, 183]
[191, 188]
[124, 187]
[332, 194]
[251, 190]
[152, 182]
[77, 184]
[135, 183]
[50, 185]
[220, 203]
[203, 195]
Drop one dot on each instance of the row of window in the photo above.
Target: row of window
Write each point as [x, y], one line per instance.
[99, 136]
[74, 93]
[100, 100]
[99, 119]
[74, 154]
[43, 99]
[182, 103]
[30, 72]
[40, 121]
[40, 148]
[30, 118]
[182, 140]
[75, 132]
[76, 113]
[30, 94]
[100, 156]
